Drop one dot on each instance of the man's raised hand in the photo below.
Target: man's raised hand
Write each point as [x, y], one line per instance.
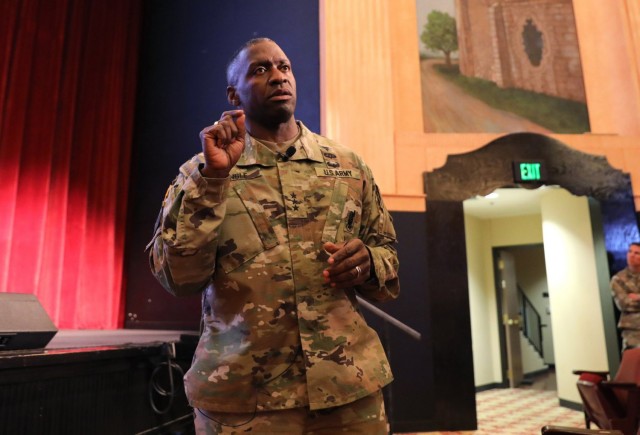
[223, 143]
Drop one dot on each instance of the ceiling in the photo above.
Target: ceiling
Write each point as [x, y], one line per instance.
[506, 202]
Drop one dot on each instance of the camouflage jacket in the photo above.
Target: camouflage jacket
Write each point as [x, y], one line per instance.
[274, 335]
[623, 284]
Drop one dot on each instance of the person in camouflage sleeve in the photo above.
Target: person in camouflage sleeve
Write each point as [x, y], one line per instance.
[279, 228]
[625, 288]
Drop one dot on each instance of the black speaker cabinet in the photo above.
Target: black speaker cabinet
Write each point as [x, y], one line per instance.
[24, 324]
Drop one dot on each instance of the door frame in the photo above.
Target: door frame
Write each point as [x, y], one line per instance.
[505, 350]
[498, 295]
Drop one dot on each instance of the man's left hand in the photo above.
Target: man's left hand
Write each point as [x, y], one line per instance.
[349, 263]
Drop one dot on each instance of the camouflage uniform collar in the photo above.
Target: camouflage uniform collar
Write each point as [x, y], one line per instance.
[257, 153]
[631, 272]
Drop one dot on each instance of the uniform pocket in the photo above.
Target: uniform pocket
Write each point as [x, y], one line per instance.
[345, 212]
[246, 232]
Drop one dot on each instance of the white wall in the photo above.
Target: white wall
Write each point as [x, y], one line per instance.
[481, 236]
[573, 289]
[531, 361]
[482, 303]
[519, 230]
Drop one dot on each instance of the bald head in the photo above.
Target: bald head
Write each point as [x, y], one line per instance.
[262, 84]
[232, 66]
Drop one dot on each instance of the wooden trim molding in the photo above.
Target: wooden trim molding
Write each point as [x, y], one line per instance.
[371, 96]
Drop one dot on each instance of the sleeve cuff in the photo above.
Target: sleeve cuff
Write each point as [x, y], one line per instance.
[211, 189]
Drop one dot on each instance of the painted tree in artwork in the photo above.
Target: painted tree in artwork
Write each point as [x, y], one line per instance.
[440, 34]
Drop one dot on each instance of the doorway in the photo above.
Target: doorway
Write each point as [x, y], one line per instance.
[508, 292]
[510, 315]
[568, 227]
[522, 293]
[481, 172]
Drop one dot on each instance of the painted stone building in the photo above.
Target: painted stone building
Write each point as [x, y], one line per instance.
[525, 44]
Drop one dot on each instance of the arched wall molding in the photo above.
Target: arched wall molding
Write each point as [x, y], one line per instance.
[485, 169]
[481, 171]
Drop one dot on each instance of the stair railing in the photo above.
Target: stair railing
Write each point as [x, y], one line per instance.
[531, 322]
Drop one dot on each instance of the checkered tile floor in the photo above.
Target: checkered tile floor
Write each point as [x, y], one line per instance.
[518, 412]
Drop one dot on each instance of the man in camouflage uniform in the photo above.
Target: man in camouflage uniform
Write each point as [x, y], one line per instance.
[625, 288]
[281, 228]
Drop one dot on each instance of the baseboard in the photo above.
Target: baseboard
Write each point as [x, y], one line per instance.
[537, 372]
[571, 405]
[491, 386]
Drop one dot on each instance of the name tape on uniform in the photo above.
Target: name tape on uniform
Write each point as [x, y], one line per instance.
[245, 175]
[338, 173]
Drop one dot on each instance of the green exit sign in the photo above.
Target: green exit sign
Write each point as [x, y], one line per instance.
[529, 171]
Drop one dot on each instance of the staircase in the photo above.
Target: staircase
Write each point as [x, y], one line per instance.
[530, 336]
[531, 326]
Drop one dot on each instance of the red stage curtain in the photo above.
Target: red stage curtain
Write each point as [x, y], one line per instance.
[67, 93]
